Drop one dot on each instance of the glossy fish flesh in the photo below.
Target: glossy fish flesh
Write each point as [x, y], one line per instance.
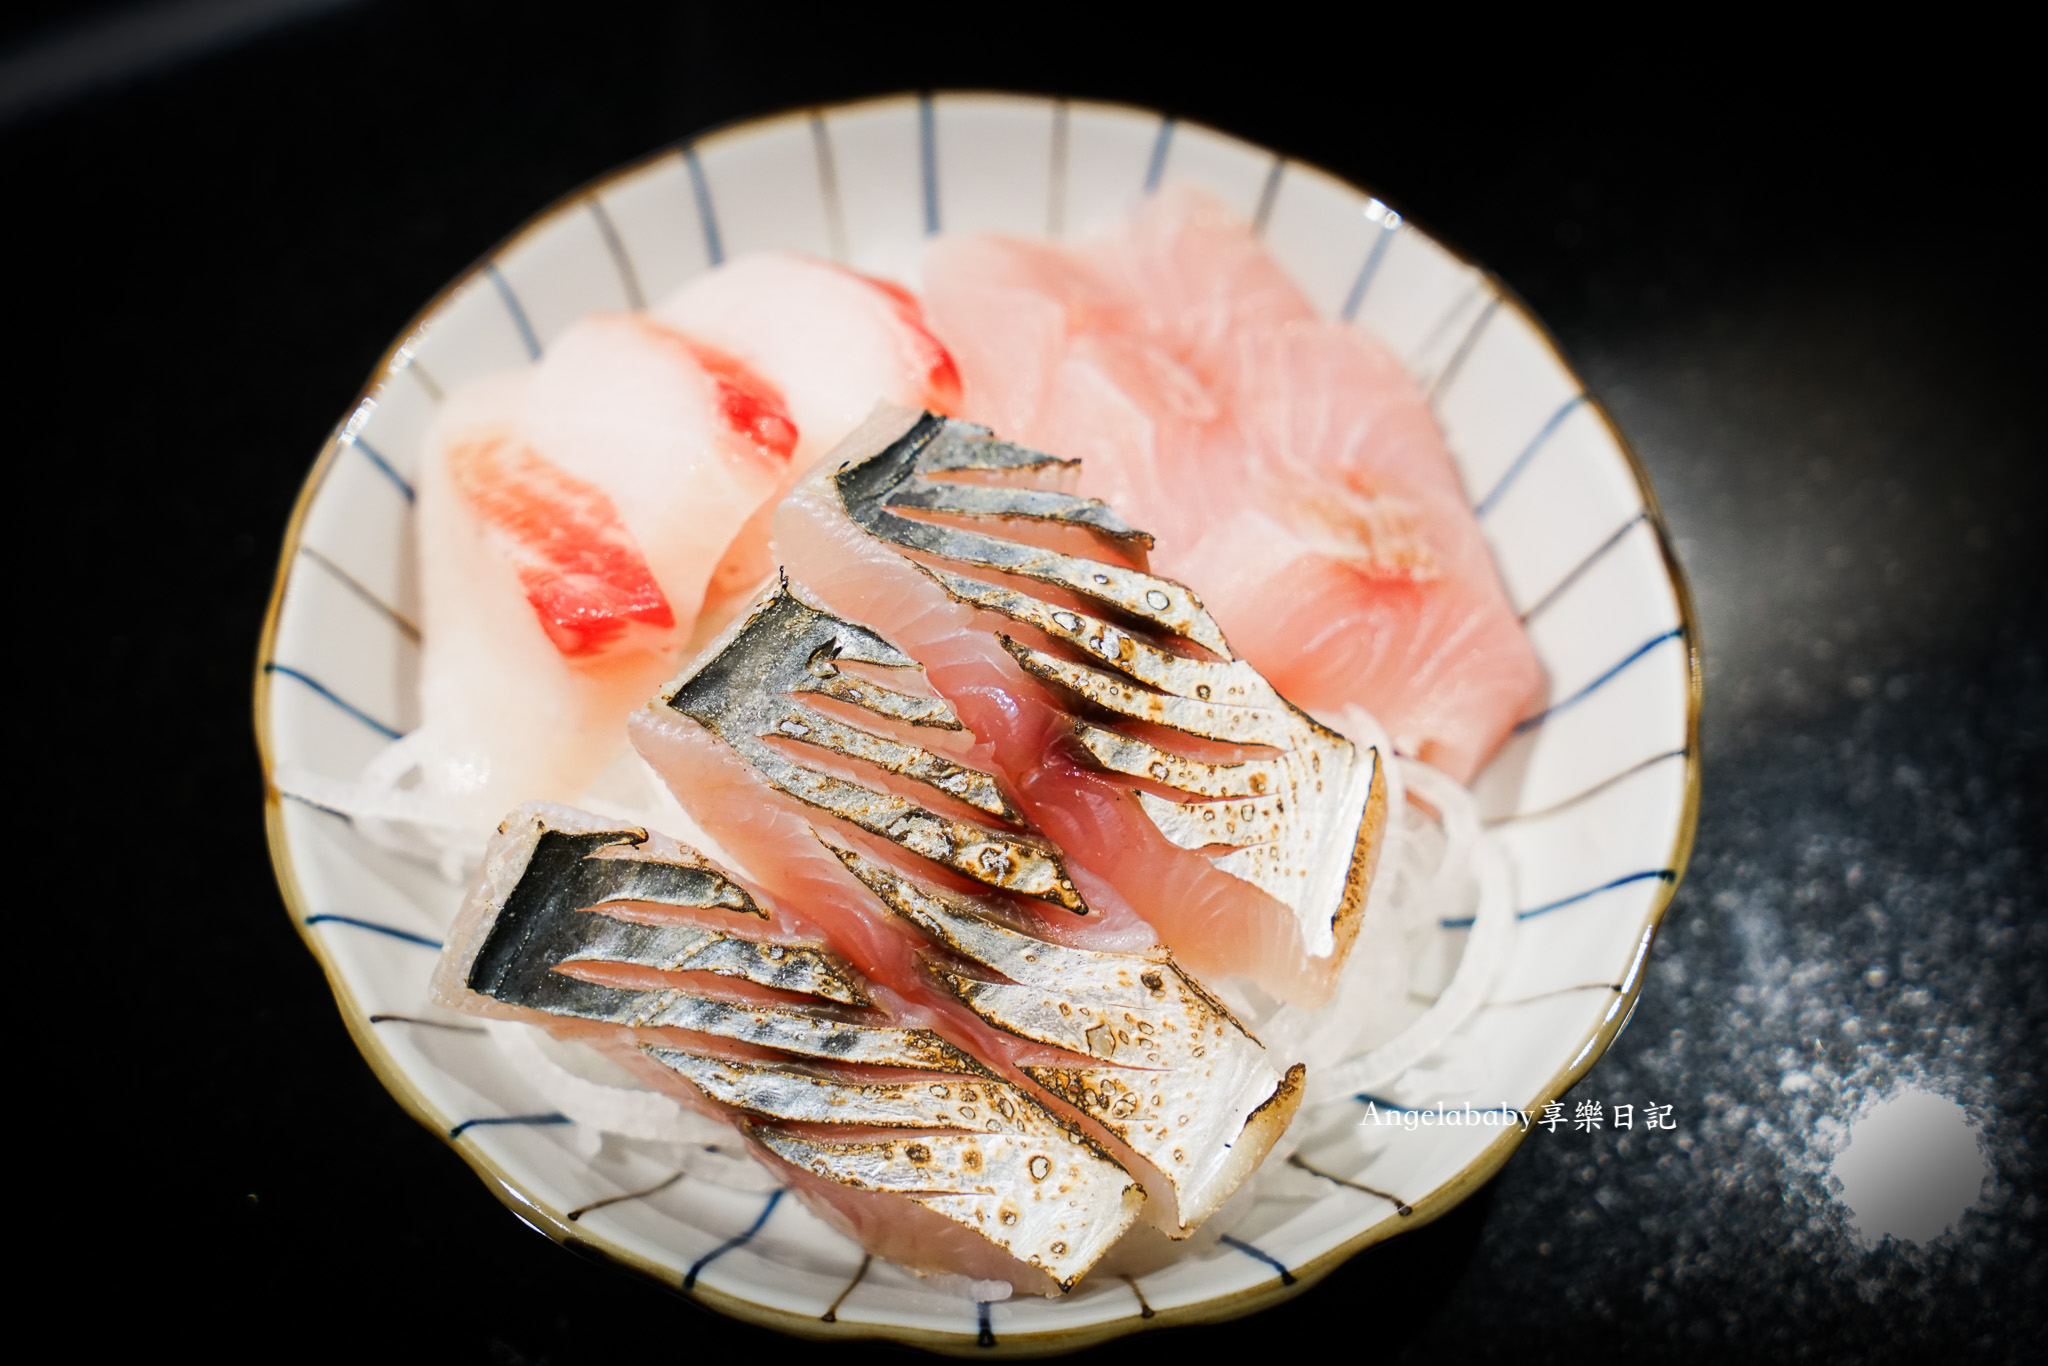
[867, 803]
[1170, 771]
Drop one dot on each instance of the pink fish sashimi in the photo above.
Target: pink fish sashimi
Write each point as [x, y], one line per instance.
[1269, 450]
[1270, 882]
[853, 1096]
[862, 800]
[833, 342]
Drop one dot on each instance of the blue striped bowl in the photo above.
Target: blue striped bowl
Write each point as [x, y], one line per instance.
[1594, 797]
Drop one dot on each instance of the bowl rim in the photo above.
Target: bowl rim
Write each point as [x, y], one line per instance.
[555, 1223]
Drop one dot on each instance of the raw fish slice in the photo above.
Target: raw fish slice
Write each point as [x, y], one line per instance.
[687, 440]
[915, 862]
[1250, 835]
[1391, 597]
[1161, 1064]
[1269, 450]
[883, 1125]
[583, 574]
[515, 701]
[833, 342]
[570, 519]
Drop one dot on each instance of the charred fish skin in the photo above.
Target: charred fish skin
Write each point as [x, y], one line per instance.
[981, 1151]
[555, 914]
[1302, 826]
[1180, 1081]
[748, 692]
[986, 1155]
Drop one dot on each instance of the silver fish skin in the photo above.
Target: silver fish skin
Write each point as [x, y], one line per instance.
[986, 1156]
[984, 1153]
[1179, 1083]
[748, 689]
[1179, 1079]
[1302, 825]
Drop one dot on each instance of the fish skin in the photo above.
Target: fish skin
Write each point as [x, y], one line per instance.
[1285, 462]
[1042, 1202]
[814, 851]
[748, 691]
[1148, 843]
[1184, 1079]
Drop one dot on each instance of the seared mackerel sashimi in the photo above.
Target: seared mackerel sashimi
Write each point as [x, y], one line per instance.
[1182, 787]
[865, 803]
[855, 1097]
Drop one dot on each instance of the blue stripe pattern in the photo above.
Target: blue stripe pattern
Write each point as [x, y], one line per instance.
[701, 190]
[738, 1239]
[1286, 1276]
[1594, 790]
[1269, 192]
[430, 1024]
[515, 308]
[1356, 297]
[390, 472]
[1559, 589]
[308, 801]
[622, 260]
[489, 1121]
[355, 586]
[1157, 166]
[1367, 1098]
[987, 1336]
[351, 708]
[1449, 373]
[1661, 874]
[1531, 722]
[1486, 504]
[928, 163]
[392, 930]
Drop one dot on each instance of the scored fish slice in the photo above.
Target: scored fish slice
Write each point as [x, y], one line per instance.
[1251, 832]
[854, 1099]
[963, 908]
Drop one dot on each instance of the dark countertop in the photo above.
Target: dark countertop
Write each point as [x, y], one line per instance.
[1805, 284]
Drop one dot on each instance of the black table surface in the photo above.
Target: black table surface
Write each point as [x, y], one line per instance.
[1804, 278]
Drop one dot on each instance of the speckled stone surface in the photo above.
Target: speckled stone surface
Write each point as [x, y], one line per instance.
[1805, 286]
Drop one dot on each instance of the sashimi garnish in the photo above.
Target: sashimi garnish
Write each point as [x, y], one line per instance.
[985, 1154]
[746, 692]
[580, 567]
[1303, 826]
[1181, 1082]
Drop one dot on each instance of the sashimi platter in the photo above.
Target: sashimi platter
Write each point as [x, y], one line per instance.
[978, 720]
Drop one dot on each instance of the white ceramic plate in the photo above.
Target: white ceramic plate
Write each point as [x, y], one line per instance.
[1595, 799]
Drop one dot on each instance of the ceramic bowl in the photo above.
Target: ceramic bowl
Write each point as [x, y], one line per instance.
[1593, 798]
